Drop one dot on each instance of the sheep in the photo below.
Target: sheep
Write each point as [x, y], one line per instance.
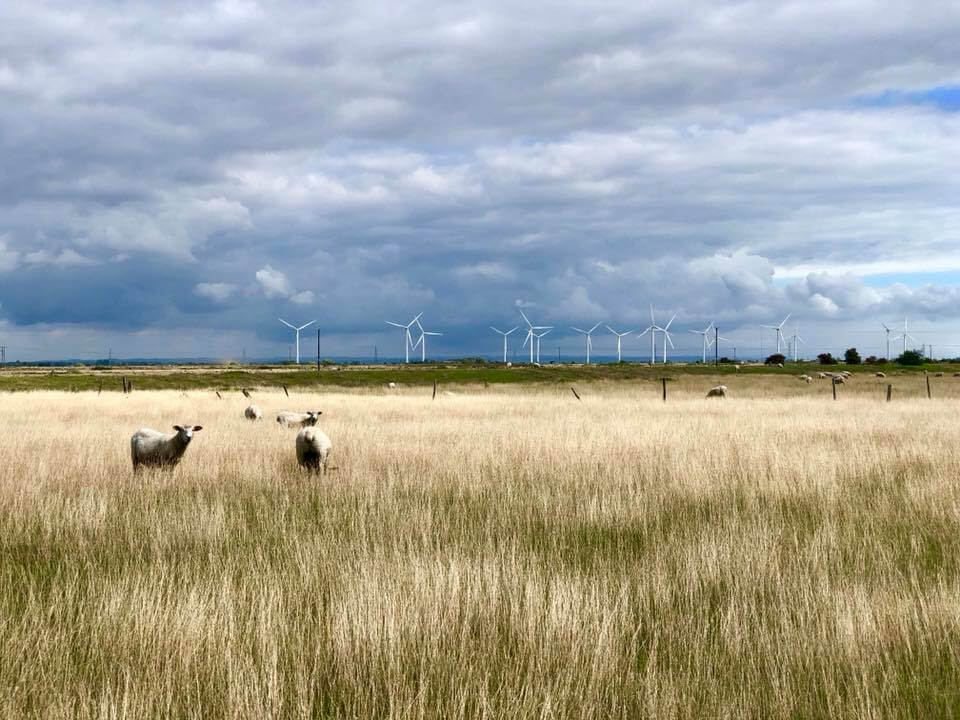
[737, 368]
[880, 374]
[821, 375]
[806, 378]
[718, 391]
[291, 419]
[313, 449]
[938, 374]
[391, 385]
[157, 449]
[252, 413]
[839, 379]
[779, 365]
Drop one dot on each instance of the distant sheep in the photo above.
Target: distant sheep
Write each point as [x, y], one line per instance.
[939, 374]
[839, 379]
[718, 391]
[313, 449]
[391, 385]
[821, 375]
[737, 368]
[880, 374]
[157, 449]
[806, 378]
[252, 413]
[294, 419]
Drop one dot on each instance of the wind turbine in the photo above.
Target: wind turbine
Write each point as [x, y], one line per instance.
[905, 335]
[888, 339]
[501, 332]
[795, 339]
[652, 329]
[666, 337]
[620, 337]
[545, 332]
[588, 334]
[530, 334]
[706, 341]
[407, 340]
[297, 329]
[422, 342]
[779, 329]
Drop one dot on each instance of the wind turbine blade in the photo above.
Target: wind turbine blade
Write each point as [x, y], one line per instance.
[772, 327]
[419, 315]
[668, 339]
[594, 327]
[652, 320]
[395, 324]
[698, 332]
[286, 323]
[543, 327]
[497, 331]
[578, 329]
[641, 334]
[612, 330]
[800, 340]
[525, 318]
[527, 338]
[511, 330]
[784, 321]
[626, 333]
[307, 325]
[671, 322]
[431, 333]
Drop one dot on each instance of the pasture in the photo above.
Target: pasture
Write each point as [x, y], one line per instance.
[502, 552]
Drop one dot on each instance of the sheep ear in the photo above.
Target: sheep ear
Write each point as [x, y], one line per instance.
[178, 428]
[197, 428]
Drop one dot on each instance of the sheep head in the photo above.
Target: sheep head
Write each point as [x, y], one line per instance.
[186, 431]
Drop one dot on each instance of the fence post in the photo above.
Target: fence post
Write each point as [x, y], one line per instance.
[928, 387]
[833, 381]
[889, 392]
[664, 381]
[434, 397]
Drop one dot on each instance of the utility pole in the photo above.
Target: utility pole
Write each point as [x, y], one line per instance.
[375, 359]
[109, 356]
[558, 354]
[3, 356]
[289, 354]
[716, 345]
[318, 349]
[244, 356]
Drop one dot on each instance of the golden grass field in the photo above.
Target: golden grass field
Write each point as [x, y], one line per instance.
[499, 553]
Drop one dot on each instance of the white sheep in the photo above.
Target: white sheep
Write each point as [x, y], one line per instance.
[313, 449]
[880, 374]
[806, 378]
[737, 368]
[839, 379]
[252, 413]
[292, 419]
[157, 449]
[718, 391]
[391, 385]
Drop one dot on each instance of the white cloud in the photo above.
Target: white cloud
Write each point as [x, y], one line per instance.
[302, 298]
[65, 258]
[218, 292]
[273, 282]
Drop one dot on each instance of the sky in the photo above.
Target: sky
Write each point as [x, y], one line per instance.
[176, 176]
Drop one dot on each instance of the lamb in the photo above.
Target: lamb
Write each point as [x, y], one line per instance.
[292, 419]
[313, 449]
[252, 413]
[718, 391]
[157, 449]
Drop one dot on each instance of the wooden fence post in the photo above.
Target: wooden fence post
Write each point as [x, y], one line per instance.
[928, 387]
[434, 397]
[889, 392]
[834, 383]
[664, 381]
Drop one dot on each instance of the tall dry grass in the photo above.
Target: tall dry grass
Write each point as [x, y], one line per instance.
[503, 553]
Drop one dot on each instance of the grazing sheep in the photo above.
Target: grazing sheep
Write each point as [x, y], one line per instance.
[939, 374]
[313, 449]
[839, 379]
[718, 391]
[880, 374]
[291, 419]
[806, 378]
[252, 413]
[391, 385]
[821, 375]
[737, 368]
[157, 449]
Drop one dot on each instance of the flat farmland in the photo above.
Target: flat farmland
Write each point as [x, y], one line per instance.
[504, 552]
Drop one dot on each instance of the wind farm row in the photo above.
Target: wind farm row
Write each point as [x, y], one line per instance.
[414, 336]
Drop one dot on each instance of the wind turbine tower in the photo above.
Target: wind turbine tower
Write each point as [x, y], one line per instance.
[588, 334]
[531, 335]
[905, 335]
[501, 332]
[779, 329]
[707, 342]
[422, 342]
[620, 337]
[407, 340]
[796, 339]
[297, 329]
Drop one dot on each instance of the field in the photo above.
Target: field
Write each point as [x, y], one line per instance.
[504, 552]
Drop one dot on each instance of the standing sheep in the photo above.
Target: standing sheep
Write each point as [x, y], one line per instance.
[718, 391]
[313, 449]
[157, 449]
[252, 413]
[292, 419]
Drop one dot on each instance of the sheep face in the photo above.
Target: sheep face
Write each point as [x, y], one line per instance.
[186, 432]
[312, 417]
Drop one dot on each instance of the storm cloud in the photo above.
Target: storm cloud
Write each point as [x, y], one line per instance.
[177, 175]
